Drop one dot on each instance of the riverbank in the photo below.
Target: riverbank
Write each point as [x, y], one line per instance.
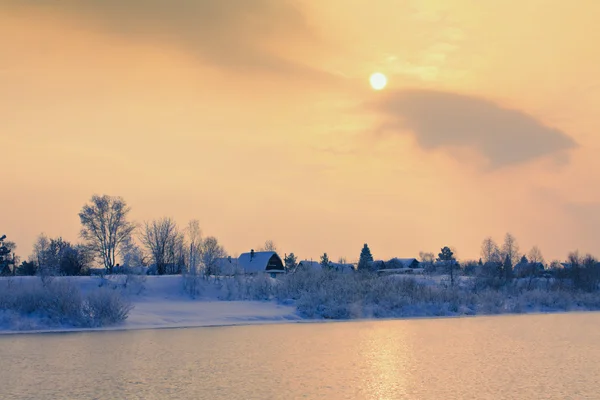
[155, 302]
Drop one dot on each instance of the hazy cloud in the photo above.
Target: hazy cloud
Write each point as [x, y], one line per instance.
[234, 34]
[445, 120]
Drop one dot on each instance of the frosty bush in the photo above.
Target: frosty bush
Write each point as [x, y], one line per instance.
[327, 294]
[104, 307]
[61, 303]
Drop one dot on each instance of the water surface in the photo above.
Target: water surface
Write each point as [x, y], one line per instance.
[504, 357]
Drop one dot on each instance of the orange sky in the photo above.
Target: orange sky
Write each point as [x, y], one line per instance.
[258, 120]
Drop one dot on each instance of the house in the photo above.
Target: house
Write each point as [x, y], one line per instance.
[309, 265]
[527, 269]
[343, 268]
[403, 263]
[396, 266]
[256, 262]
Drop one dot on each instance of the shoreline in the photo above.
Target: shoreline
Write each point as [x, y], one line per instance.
[257, 320]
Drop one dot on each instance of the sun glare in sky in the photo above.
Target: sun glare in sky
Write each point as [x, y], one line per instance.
[378, 81]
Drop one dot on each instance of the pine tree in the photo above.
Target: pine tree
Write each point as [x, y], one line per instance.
[325, 263]
[5, 258]
[507, 267]
[447, 257]
[365, 260]
[290, 262]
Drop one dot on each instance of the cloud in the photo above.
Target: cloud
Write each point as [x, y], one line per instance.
[449, 120]
[241, 35]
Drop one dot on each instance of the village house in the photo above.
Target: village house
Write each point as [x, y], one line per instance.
[256, 262]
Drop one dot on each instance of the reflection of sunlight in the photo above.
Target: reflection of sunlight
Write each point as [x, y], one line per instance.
[387, 355]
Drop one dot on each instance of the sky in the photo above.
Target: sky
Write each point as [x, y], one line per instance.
[256, 118]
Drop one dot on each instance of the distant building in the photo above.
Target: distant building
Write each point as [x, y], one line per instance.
[256, 262]
[527, 269]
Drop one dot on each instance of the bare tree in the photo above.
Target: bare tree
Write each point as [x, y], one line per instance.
[105, 227]
[490, 251]
[212, 251]
[159, 237]
[269, 246]
[427, 258]
[194, 238]
[40, 247]
[510, 249]
[535, 255]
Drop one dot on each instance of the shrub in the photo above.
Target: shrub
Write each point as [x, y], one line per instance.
[61, 303]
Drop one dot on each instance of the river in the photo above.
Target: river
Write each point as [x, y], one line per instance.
[554, 356]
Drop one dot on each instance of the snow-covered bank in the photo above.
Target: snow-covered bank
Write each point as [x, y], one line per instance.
[169, 302]
[158, 302]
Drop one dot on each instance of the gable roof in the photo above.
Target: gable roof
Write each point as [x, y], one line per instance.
[258, 261]
[310, 264]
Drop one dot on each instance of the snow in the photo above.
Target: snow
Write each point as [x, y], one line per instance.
[163, 304]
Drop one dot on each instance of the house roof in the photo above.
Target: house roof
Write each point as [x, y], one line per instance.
[406, 262]
[313, 264]
[256, 263]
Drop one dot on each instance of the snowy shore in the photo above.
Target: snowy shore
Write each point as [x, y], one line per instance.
[161, 303]
[165, 301]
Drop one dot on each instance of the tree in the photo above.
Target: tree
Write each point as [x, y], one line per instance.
[325, 263]
[40, 246]
[426, 257]
[212, 251]
[535, 255]
[56, 256]
[269, 246]
[159, 237]
[290, 262]
[132, 255]
[366, 259]
[524, 260]
[446, 256]
[194, 245]
[507, 267]
[105, 227]
[7, 256]
[490, 251]
[510, 248]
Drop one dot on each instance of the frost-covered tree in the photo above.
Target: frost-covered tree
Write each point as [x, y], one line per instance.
[268, 246]
[510, 248]
[105, 227]
[194, 246]
[325, 263]
[132, 255]
[490, 252]
[535, 255]
[366, 259]
[446, 256]
[212, 251]
[160, 237]
[290, 262]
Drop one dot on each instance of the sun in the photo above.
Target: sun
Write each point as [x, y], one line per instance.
[378, 81]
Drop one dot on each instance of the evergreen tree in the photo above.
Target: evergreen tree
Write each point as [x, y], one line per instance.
[447, 257]
[6, 260]
[507, 267]
[524, 260]
[366, 259]
[325, 263]
[290, 262]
